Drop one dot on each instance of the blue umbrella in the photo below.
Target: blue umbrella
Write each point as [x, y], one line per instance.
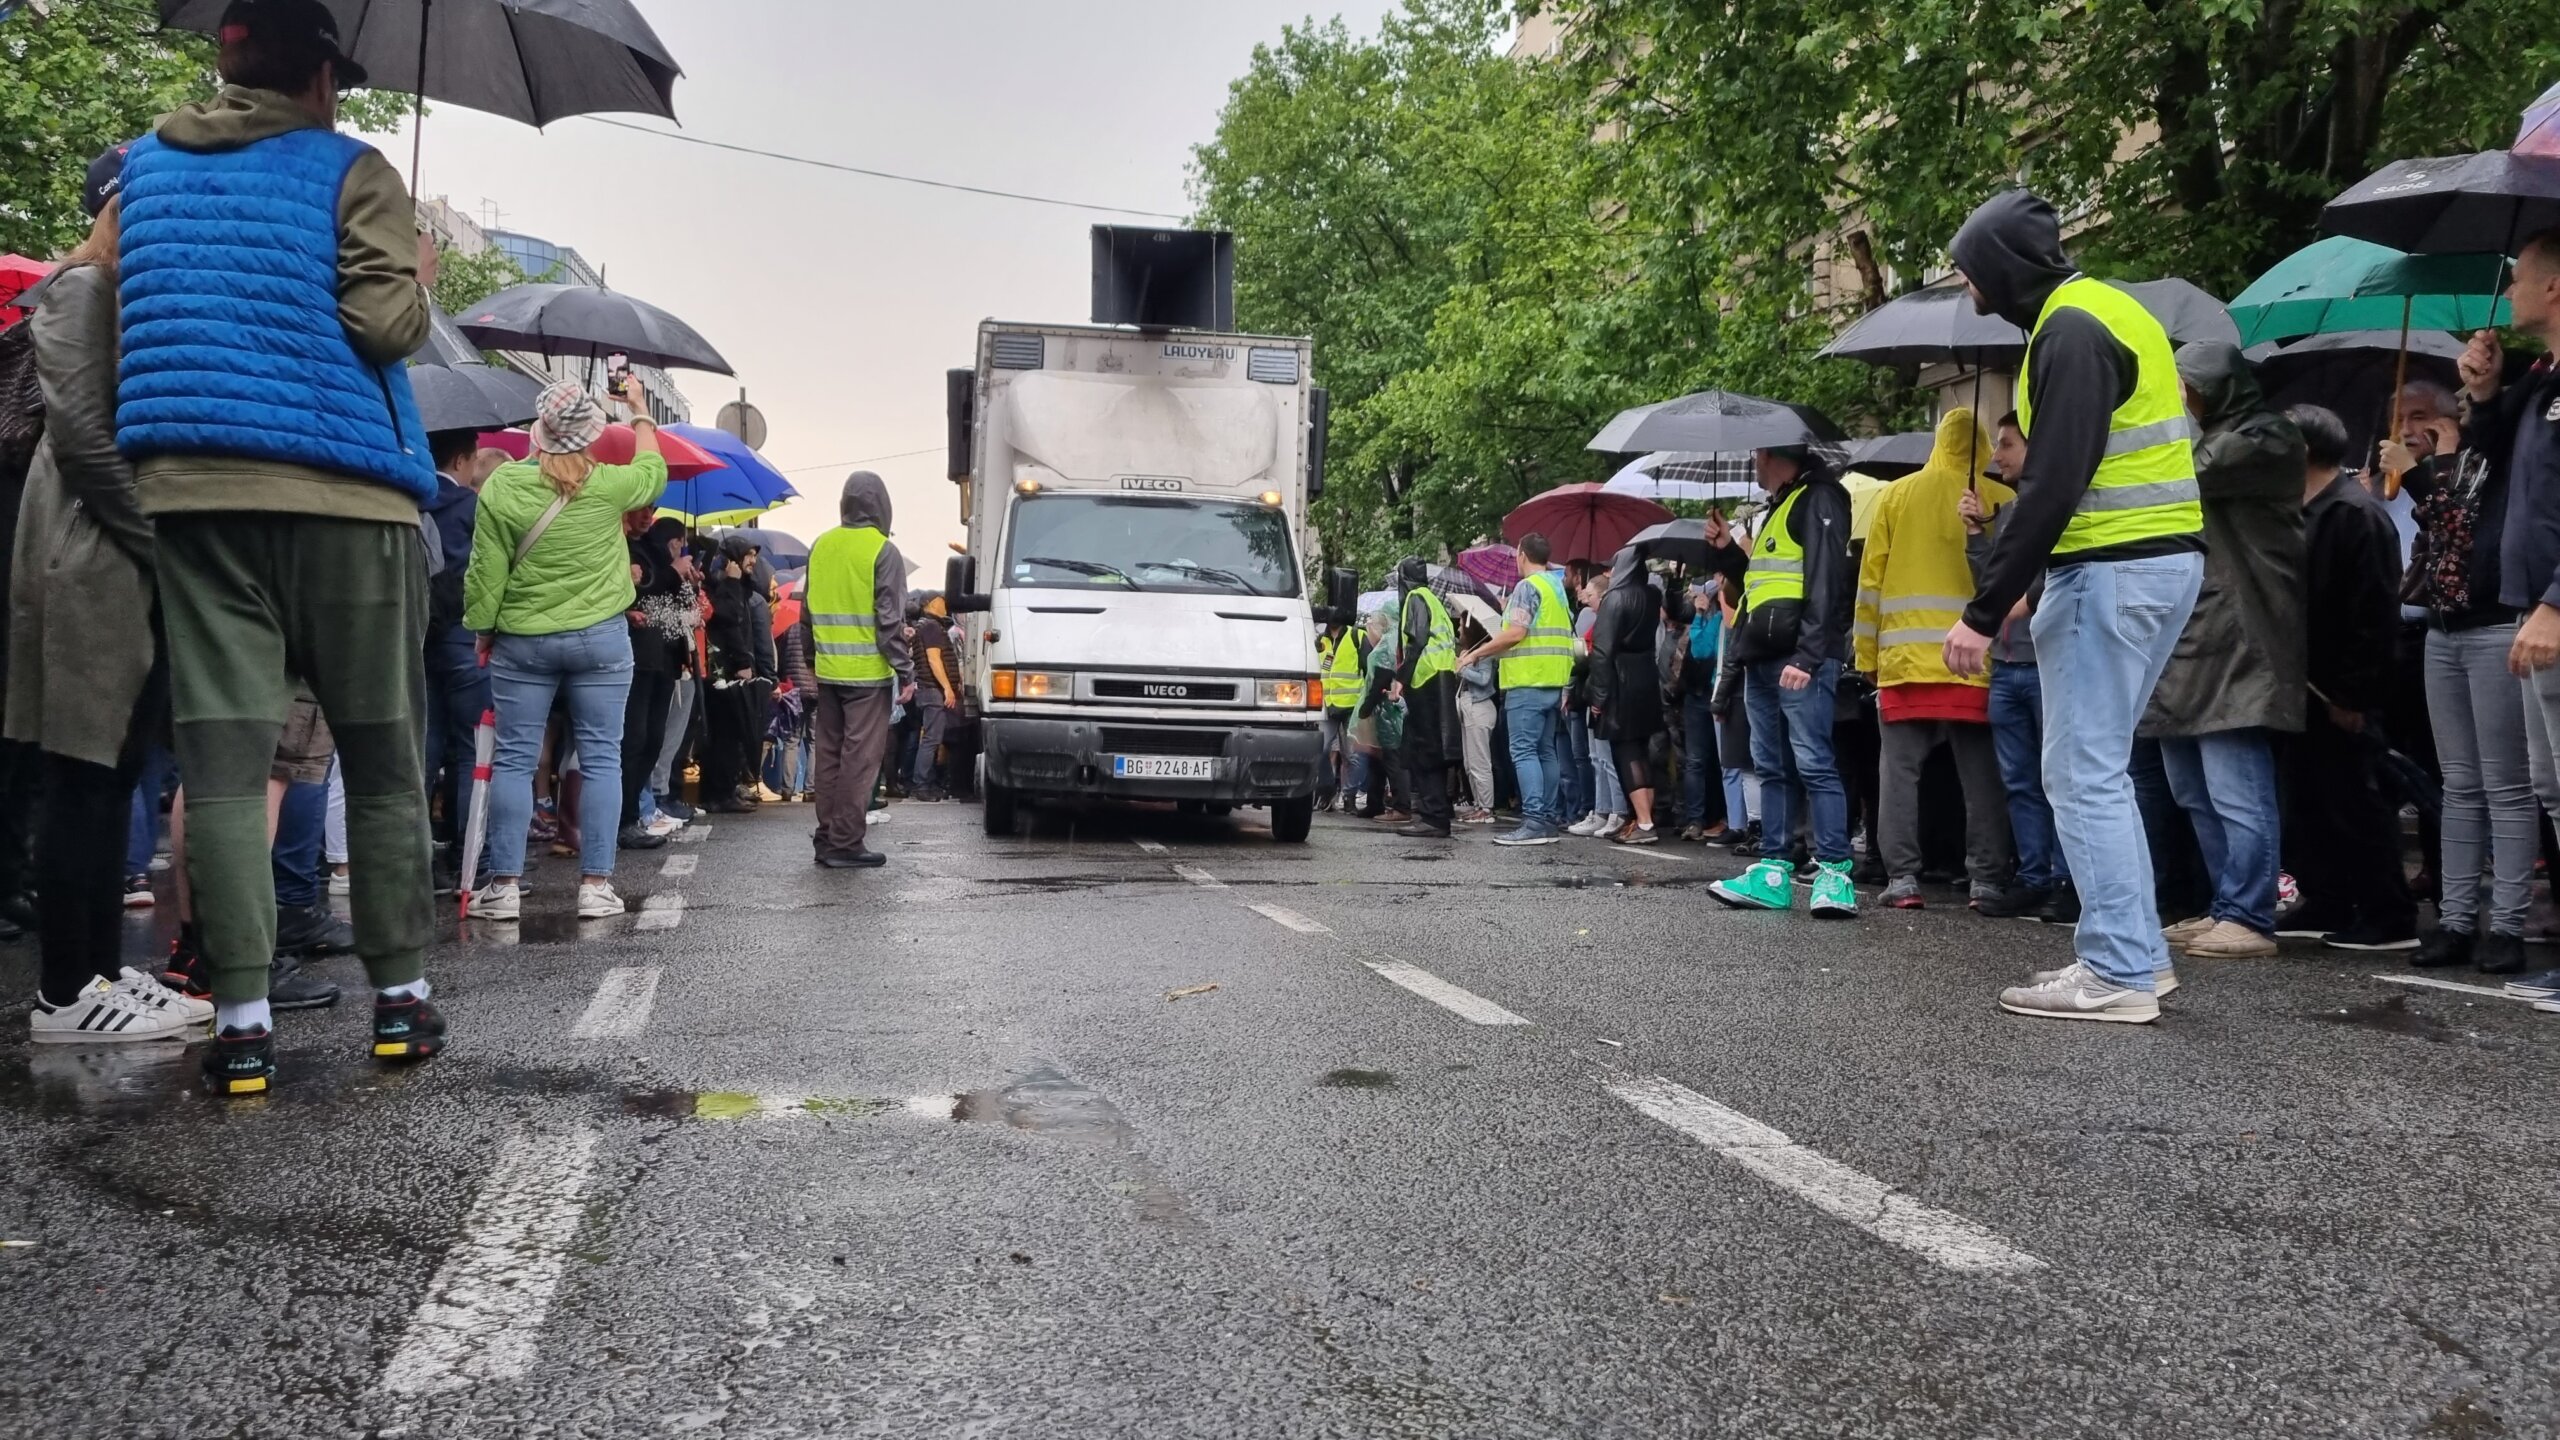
[746, 486]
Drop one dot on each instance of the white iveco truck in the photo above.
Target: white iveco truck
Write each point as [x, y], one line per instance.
[1134, 592]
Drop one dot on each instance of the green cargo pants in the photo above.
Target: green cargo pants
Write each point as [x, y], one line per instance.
[253, 601]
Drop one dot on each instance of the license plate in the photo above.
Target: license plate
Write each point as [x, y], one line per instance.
[1163, 767]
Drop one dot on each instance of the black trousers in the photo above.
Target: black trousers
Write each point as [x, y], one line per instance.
[644, 732]
[728, 731]
[81, 815]
[2342, 832]
[1430, 724]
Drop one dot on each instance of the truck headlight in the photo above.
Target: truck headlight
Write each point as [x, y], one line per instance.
[1283, 694]
[1031, 685]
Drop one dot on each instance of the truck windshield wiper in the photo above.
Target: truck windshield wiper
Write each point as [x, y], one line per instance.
[1094, 568]
[1208, 572]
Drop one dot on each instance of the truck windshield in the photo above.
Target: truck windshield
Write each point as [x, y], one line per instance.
[1151, 542]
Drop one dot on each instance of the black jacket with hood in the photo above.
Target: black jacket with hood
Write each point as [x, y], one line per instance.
[866, 506]
[1806, 632]
[2078, 375]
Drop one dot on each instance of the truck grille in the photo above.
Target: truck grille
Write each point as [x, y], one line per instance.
[1192, 690]
[1126, 740]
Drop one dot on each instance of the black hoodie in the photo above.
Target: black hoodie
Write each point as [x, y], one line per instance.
[2078, 374]
[865, 506]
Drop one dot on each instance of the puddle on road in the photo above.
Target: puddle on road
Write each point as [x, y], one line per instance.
[1349, 1079]
[1045, 1102]
[2392, 1016]
[747, 1104]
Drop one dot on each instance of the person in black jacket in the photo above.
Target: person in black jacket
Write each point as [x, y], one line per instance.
[657, 657]
[1626, 687]
[2342, 832]
[728, 748]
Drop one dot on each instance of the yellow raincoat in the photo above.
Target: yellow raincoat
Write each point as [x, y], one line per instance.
[1914, 584]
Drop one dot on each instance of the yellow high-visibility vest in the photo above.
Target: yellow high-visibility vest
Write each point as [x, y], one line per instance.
[1543, 660]
[1440, 652]
[1342, 683]
[843, 571]
[1777, 562]
[2145, 485]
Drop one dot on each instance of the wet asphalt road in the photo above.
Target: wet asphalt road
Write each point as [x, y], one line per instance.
[930, 1151]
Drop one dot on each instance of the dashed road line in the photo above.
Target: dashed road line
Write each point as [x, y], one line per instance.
[680, 865]
[1152, 847]
[1199, 877]
[2432, 983]
[1292, 919]
[622, 1004]
[1465, 1004]
[693, 834]
[484, 1309]
[1860, 1199]
[661, 912]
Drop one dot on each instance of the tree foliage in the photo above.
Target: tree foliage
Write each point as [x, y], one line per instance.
[1494, 256]
[87, 76]
[463, 281]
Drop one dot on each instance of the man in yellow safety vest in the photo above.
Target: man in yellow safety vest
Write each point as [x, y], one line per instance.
[2108, 503]
[852, 615]
[1426, 679]
[1535, 653]
[1341, 651]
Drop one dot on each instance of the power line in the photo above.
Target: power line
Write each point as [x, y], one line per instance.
[883, 174]
[866, 460]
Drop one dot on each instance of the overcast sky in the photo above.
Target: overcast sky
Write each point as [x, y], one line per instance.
[842, 299]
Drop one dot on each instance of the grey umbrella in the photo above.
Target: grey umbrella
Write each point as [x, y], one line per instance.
[1716, 420]
[1938, 326]
[2451, 205]
[469, 397]
[591, 321]
[1683, 542]
[1889, 457]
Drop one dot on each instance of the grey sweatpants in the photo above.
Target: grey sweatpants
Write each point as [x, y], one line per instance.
[852, 740]
[2482, 718]
[1907, 744]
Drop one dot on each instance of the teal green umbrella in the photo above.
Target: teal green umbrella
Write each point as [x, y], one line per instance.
[2346, 284]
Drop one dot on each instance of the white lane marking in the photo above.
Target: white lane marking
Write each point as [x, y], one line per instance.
[1829, 1186]
[693, 834]
[1656, 852]
[484, 1308]
[1150, 846]
[1465, 1004]
[1292, 919]
[661, 912]
[621, 1007]
[2432, 983]
[680, 865]
[1199, 877]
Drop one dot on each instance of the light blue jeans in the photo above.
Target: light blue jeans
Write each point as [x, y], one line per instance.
[591, 670]
[2226, 782]
[1608, 797]
[1535, 718]
[2103, 633]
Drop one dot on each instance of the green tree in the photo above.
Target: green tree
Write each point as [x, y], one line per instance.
[91, 75]
[463, 281]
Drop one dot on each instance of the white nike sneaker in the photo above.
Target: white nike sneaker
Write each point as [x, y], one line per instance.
[497, 902]
[2163, 980]
[2081, 997]
[596, 900]
[104, 1015]
[153, 993]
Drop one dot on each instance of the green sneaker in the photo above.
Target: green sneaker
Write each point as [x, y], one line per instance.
[1769, 885]
[1834, 898]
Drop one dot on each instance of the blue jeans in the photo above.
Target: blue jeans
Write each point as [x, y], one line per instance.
[142, 837]
[1791, 746]
[1608, 797]
[1535, 718]
[300, 824]
[1697, 758]
[1574, 795]
[1739, 783]
[2226, 782]
[2103, 633]
[2017, 738]
[591, 669]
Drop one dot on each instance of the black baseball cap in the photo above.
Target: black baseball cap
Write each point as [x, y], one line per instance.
[106, 178]
[306, 24]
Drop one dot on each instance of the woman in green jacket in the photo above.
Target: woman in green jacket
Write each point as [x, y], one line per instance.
[550, 578]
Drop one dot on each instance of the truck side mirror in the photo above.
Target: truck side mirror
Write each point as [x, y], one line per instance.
[1342, 598]
[960, 418]
[959, 587]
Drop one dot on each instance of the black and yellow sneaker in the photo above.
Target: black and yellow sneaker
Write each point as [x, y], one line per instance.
[242, 1062]
[186, 971]
[406, 1029]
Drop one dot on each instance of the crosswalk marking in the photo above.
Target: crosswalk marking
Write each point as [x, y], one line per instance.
[1292, 919]
[1465, 1004]
[1199, 877]
[485, 1306]
[622, 1004]
[661, 912]
[680, 865]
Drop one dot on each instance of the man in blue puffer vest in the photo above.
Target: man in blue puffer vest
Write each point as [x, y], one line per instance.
[271, 287]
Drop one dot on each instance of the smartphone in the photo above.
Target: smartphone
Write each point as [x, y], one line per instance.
[617, 374]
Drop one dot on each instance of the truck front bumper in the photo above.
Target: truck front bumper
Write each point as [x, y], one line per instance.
[1251, 765]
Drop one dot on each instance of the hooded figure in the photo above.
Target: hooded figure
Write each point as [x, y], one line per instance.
[2240, 661]
[852, 727]
[1431, 710]
[1914, 582]
[1625, 681]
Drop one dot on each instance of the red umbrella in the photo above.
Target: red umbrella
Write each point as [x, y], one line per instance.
[613, 447]
[17, 275]
[1583, 522]
[1496, 565]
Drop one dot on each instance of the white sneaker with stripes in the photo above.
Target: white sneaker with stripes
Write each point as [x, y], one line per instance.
[102, 1014]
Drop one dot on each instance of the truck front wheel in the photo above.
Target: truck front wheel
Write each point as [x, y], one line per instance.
[999, 803]
[1292, 819]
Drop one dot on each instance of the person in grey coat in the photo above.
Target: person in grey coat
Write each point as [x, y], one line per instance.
[84, 683]
[2237, 675]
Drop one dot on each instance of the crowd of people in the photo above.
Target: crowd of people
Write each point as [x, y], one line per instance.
[247, 585]
[2176, 675]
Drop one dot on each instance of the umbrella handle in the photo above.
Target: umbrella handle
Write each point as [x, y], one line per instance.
[2399, 379]
[418, 114]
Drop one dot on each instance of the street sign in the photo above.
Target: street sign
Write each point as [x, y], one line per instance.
[744, 421]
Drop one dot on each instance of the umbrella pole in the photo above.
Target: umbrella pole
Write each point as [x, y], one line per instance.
[418, 114]
[2399, 378]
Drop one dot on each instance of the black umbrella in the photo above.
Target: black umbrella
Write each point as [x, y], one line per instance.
[1715, 420]
[2453, 205]
[1938, 326]
[1890, 457]
[446, 344]
[470, 397]
[2354, 373]
[1682, 542]
[591, 321]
